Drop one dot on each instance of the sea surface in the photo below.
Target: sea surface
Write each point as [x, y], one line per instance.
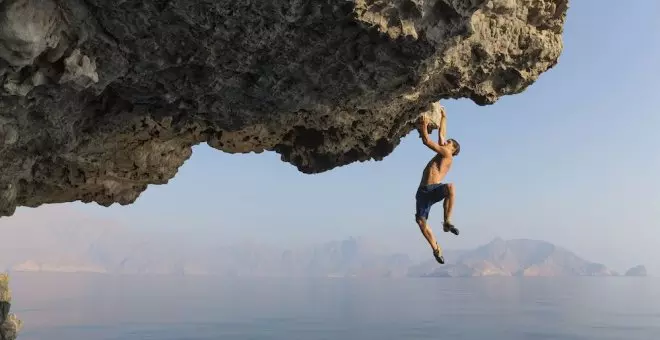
[88, 307]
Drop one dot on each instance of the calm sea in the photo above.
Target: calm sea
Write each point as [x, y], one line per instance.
[88, 307]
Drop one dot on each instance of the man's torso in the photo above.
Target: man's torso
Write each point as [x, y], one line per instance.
[436, 170]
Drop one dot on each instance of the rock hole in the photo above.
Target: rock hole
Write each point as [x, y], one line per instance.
[383, 148]
[162, 5]
[297, 160]
[507, 79]
[452, 79]
[324, 161]
[308, 138]
[409, 10]
[352, 155]
[444, 12]
[393, 16]
[377, 7]
[478, 53]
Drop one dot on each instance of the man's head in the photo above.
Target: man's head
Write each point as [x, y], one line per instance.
[456, 148]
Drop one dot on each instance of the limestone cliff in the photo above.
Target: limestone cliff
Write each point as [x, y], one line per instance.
[101, 98]
[9, 325]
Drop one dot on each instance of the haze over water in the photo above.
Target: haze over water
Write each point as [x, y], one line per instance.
[105, 307]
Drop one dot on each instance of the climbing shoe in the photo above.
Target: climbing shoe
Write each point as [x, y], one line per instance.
[437, 253]
[448, 227]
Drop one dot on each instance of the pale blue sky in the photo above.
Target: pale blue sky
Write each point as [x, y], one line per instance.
[572, 160]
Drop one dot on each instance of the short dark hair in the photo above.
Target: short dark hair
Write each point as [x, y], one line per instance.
[457, 147]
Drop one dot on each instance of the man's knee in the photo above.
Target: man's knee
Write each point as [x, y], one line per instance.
[451, 189]
[420, 221]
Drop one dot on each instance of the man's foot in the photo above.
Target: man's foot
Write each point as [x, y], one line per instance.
[437, 253]
[450, 227]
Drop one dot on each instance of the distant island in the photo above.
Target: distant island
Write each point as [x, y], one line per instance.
[519, 258]
[113, 250]
[636, 271]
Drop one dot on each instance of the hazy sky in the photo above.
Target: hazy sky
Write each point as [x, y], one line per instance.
[573, 160]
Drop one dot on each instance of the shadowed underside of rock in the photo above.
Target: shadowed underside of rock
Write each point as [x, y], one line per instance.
[101, 98]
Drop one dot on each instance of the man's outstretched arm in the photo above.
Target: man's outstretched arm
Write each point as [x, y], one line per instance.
[423, 130]
[442, 133]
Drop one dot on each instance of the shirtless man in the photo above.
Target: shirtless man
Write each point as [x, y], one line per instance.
[431, 190]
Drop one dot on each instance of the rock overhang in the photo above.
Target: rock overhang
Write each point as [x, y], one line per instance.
[100, 99]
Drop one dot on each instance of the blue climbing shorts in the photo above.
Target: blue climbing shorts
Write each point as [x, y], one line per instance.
[428, 195]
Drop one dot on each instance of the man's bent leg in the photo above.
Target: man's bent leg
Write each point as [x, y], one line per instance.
[430, 238]
[448, 206]
[423, 206]
[427, 232]
[448, 203]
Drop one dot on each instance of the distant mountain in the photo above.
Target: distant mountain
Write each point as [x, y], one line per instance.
[520, 258]
[637, 271]
[349, 257]
[57, 246]
[66, 244]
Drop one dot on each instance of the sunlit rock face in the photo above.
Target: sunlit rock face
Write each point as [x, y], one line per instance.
[9, 324]
[101, 98]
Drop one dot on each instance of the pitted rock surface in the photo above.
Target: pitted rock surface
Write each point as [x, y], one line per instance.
[99, 99]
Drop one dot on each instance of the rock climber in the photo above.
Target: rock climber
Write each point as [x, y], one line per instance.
[431, 190]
